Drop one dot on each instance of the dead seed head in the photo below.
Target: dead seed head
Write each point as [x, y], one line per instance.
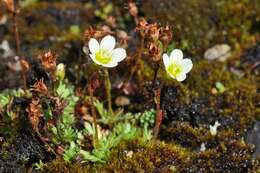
[10, 5]
[40, 87]
[34, 111]
[142, 27]
[48, 60]
[155, 52]
[166, 34]
[153, 31]
[97, 33]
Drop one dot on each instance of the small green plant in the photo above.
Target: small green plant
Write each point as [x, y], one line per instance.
[107, 117]
[104, 12]
[220, 87]
[7, 95]
[7, 115]
[64, 131]
[121, 132]
[39, 166]
[147, 118]
[71, 152]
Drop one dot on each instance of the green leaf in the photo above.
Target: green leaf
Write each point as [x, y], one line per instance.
[89, 157]
[220, 87]
[71, 153]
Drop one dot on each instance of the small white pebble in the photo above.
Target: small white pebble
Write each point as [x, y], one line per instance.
[6, 48]
[129, 154]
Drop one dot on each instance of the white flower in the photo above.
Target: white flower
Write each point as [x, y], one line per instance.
[176, 66]
[213, 129]
[104, 53]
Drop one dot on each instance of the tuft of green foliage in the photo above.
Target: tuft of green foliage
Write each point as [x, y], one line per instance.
[71, 152]
[147, 118]
[39, 166]
[64, 131]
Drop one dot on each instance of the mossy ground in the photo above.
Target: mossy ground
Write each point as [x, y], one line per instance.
[189, 108]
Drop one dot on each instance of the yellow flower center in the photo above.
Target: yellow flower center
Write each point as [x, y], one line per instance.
[174, 69]
[103, 56]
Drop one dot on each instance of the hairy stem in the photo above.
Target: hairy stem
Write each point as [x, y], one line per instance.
[108, 90]
[93, 112]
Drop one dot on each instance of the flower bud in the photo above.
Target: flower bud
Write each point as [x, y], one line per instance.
[60, 71]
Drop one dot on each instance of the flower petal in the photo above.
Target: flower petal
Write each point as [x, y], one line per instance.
[119, 54]
[93, 45]
[181, 77]
[186, 65]
[110, 65]
[108, 42]
[166, 60]
[176, 56]
[94, 59]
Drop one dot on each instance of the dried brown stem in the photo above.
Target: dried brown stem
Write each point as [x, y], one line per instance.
[16, 33]
[14, 12]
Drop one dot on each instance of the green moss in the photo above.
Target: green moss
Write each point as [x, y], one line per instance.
[43, 25]
[61, 166]
[238, 99]
[136, 156]
[234, 156]
[201, 24]
[131, 156]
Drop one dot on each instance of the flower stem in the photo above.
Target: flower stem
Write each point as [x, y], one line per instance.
[16, 33]
[108, 91]
[17, 41]
[93, 112]
[159, 113]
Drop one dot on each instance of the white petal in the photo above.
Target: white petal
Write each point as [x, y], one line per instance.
[176, 56]
[108, 42]
[186, 65]
[110, 65]
[93, 45]
[166, 60]
[181, 77]
[94, 59]
[119, 54]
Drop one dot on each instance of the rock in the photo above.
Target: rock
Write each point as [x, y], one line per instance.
[219, 52]
[253, 137]
[250, 59]
[15, 66]
[5, 47]
[122, 101]
[24, 150]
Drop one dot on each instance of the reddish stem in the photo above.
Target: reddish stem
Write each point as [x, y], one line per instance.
[159, 112]
[16, 33]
